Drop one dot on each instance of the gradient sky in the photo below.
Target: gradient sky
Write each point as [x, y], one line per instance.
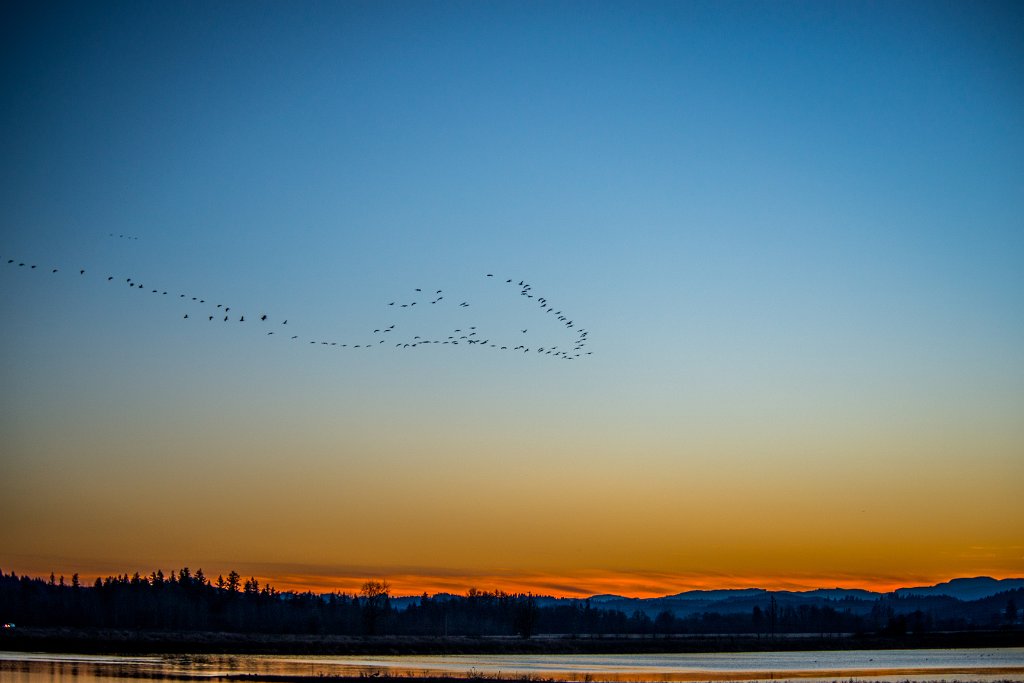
[794, 233]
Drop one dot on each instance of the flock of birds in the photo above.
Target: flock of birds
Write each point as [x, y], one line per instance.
[388, 336]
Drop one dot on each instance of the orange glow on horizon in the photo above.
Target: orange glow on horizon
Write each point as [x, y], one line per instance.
[582, 586]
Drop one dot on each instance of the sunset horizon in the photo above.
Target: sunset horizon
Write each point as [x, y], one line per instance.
[405, 583]
[565, 298]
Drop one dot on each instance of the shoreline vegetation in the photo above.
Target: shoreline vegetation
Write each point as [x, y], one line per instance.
[187, 613]
[187, 602]
[124, 641]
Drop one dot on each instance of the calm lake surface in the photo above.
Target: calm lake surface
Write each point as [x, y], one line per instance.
[874, 665]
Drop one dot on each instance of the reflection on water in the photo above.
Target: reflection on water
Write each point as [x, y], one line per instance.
[874, 665]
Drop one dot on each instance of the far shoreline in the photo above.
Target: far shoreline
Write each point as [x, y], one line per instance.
[108, 641]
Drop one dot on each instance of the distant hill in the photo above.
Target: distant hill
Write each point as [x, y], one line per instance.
[965, 589]
[843, 593]
[721, 594]
[857, 600]
[744, 600]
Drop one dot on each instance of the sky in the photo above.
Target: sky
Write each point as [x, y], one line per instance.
[782, 243]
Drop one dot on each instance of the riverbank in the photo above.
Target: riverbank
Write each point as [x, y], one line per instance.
[88, 641]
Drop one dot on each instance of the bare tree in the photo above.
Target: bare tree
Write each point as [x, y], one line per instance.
[375, 602]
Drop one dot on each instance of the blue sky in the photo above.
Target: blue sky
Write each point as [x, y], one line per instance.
[792, 231]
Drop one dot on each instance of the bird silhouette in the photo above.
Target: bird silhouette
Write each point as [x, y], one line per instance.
[575, 346]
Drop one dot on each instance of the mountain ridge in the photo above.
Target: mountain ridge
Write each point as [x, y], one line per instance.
[962, 588]
[859, 600]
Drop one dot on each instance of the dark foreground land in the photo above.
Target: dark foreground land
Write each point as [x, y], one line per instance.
[205, 642]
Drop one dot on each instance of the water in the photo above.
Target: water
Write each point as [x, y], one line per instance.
[997, 664]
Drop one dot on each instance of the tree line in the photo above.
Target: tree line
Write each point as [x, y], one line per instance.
[183, 600]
